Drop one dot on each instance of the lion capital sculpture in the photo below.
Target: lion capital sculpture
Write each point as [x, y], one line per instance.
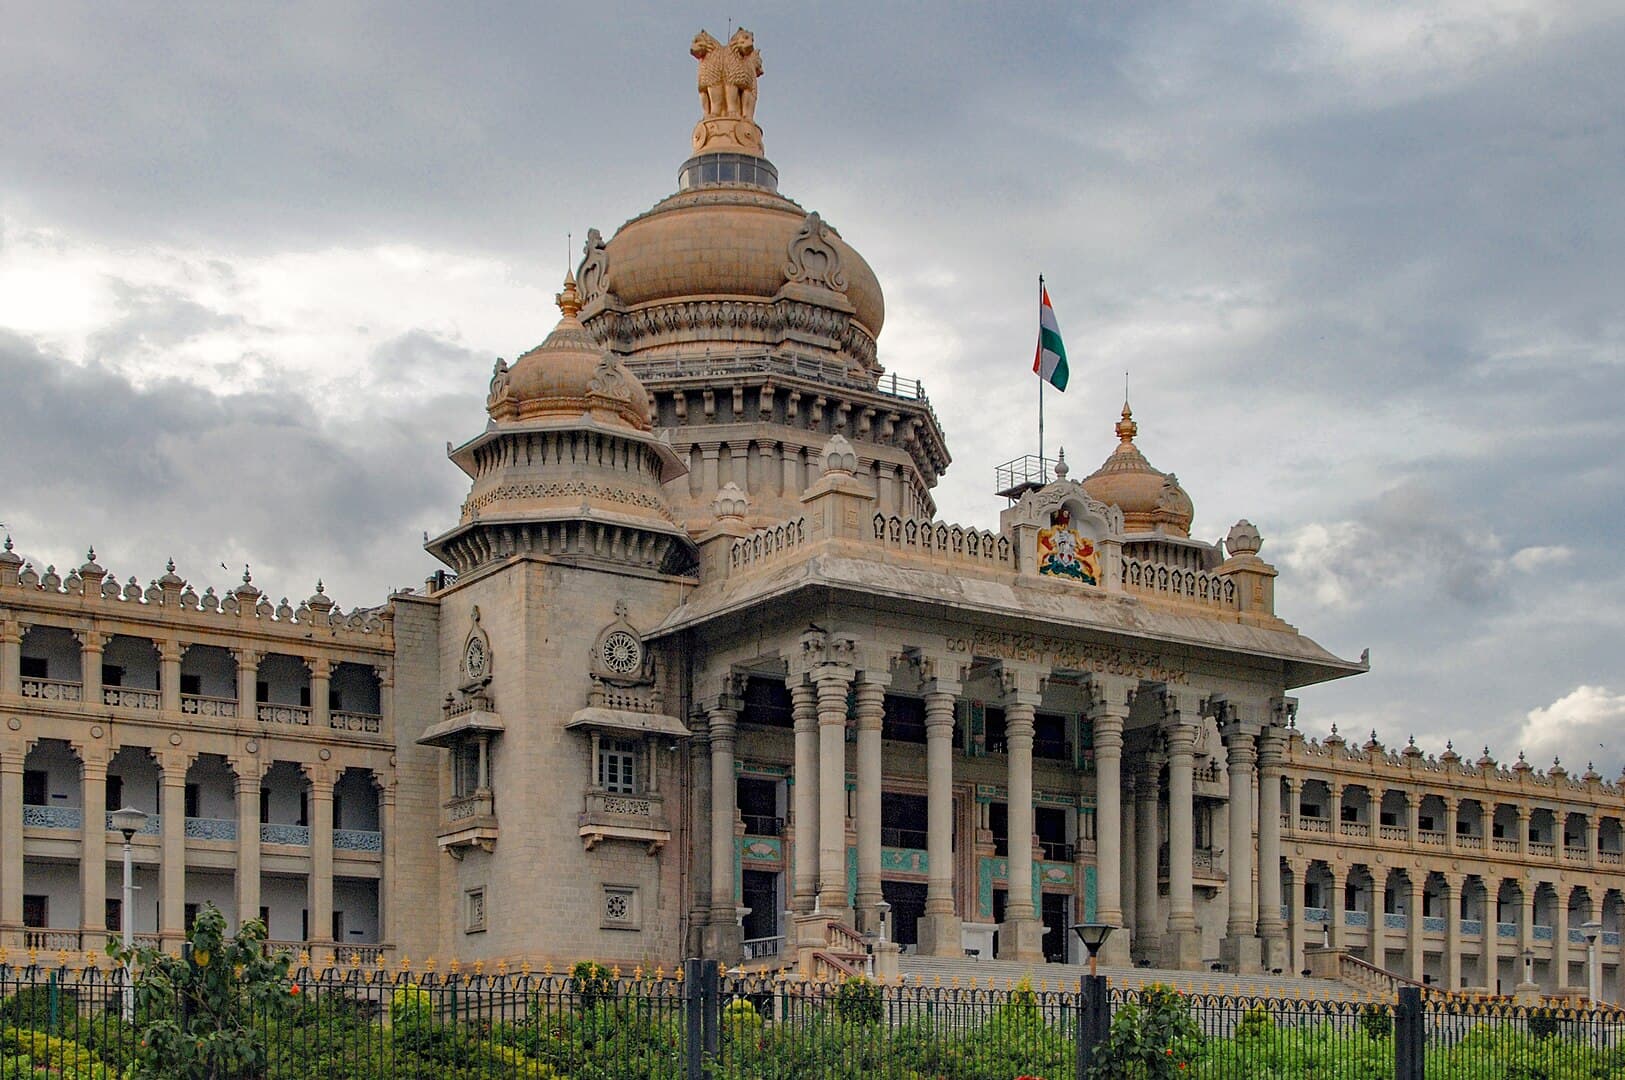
[727, 75]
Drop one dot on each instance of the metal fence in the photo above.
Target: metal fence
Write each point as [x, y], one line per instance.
[365, 1023]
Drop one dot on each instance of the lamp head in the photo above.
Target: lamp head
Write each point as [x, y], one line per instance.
[1093, 935]
[1592, 931]
[128, 821]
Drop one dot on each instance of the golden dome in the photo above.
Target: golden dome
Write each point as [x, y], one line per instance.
[567, 376]
[1151, 500]
[716, 242]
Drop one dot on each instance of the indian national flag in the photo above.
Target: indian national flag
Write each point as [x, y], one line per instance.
[1050, 362]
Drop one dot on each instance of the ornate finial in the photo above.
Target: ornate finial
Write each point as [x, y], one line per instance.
[320, 588]
[248, 578]
[569, 300]
[1061, 468]
[1449, 745]
[8, 545]
[1126, 427]
[90, 553]
[1334, 727]
[168, 566]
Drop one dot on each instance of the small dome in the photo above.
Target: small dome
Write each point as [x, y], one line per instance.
[1151, 500]
[721, 241]
[568, 375]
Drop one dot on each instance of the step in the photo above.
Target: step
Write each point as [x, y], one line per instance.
[1065, 977]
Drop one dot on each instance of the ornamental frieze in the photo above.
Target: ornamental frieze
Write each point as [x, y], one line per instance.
[565, 488]
[1053, 652]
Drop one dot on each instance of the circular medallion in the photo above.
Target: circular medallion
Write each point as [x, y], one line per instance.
[95, 731]
[475, 659]
[622, 653]
[325, 754]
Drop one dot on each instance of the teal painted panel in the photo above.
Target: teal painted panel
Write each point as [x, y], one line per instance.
[984, 887]
[1089, 908]
[852, 877]
[904, 860]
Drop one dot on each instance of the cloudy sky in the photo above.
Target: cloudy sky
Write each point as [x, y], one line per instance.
[1363, 262]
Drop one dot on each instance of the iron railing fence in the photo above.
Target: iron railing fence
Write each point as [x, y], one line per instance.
[367, 1022]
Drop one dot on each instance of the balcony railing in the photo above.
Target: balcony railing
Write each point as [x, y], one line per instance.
[52, 940]
[1433, 924]
[763, 948]
[1472, 926]
[1610, 858]
[1055, 851]
[1355, 828]
[1393, 921]
[358, 840]
[1577, 854]
[129, 697]
[1392, 832]
[1501, 843]
[763, 825]
[53, 817]
[1432, 839]
[354, 721]
[1543, 850]
[271, 713]
[53, 690]
[1313, 824]
[295, 835]
[210, 829]
[203, 705]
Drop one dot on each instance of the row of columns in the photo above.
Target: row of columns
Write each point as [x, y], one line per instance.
[173, 767]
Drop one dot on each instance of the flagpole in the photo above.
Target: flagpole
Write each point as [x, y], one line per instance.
[1043, 478]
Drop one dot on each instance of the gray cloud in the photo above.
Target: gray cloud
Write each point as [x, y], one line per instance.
[1364, 289]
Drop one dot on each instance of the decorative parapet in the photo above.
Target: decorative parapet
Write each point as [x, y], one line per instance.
[210, 829]
[638, 818]
[293, 835]
[1193, 586]
[765, 545]
[939, 538]
[91, 590]
[367, 840]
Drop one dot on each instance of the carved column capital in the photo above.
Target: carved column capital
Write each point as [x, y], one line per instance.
[92, 641]
[171, 650]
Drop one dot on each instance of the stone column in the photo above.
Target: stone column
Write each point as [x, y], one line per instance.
[1452, 815]
[92, 644]
[939, 930]
[321, 854]
[1271, 931]
[321, 682]
[832, 682]
[1147, 913]
[804, 710]
[1414, 954]
[93, 847]
[1109, 717]
[699, 829]
[1373, 813]
[247, 770]
[1523, 831]
[1560, 939]
[1593, 840]
[1182, 945]
[11, 651]
[1490, 941]
[1486, 820]
[1334, 904]
[388, 918]
[172, 865]
[867, 715]
[1450, 896]
[1240, 949]
[169, 674]
[248, 675]
[1021, 935]
[1129, 875]
[12, 756]
[1413, 818]
[1334, 823]
[1295, 929]
[1526, 926]
[723, 934]
[1294, 794]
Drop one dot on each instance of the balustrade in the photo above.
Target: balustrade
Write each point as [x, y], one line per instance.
[210, 829]
[1391, 832]
[151, 827]
[53, 817]
[1433, 924]
[358, 840]
[763, 948]
[295, 835]
[129, 697]
[1501, 843]
[1576, 854]
[201, 705]
[53, 690]
[1431, 839]
[354, 721]
[1393, 921]
[1472, 927]
[763, 825]
[52, 940]
[1355, 828]
[1542, 850]
[1313, 825]
[284, 714]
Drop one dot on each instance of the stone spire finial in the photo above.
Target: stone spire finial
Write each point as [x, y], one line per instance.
[839, 455]
[569, 298]
[1126, 427]
[730, 501]
[1061, 468]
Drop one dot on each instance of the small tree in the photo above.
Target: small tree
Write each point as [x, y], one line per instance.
[198, 1012]
[1154, 1037]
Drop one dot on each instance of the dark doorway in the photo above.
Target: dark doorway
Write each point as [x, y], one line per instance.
[907, 900]
[1056, 906]
[760, 893]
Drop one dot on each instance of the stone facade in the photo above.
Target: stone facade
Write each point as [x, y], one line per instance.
[706, 676]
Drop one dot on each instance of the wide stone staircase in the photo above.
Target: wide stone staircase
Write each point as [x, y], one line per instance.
[996, 974]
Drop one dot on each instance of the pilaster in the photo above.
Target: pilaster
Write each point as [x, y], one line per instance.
[939, 931]
[1108, 713]
[1181, 946]
[833, 681]
[723, 933]
[321, 854]
[1271, 931]
[92, 845]
[868, 714]
[248, 779]
[1021, 933]
[172, 837]
[804, 710]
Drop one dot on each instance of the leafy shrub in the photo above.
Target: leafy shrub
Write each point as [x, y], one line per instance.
[1153, 1037]
[30, 1007]
[1376, 1021]
[858, 1001]
[1256, 1023]
[740, 1020]
[591, 984]
[54, 1056]
[1543, 1023]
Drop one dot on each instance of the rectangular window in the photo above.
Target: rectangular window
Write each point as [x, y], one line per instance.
[194, 797]
[190, 914]
[265, 918]
[466, 770]
[617, 766]
[304, 808]
[1350, 813]
[338, 926]
[474, 911]
[304, 924]
[333, 700]
[304, 696]
[34, 667]
[114, 915]
[115, 793]
[192, 684]
[36, 911]
[34, 787]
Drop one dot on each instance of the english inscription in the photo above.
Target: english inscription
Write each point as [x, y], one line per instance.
[1070, 655]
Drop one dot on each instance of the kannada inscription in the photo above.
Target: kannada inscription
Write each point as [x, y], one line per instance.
[1069, 655]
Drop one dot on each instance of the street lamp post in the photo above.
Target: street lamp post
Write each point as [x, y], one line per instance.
[1093, 936]
[129, 822]
[1593, 931]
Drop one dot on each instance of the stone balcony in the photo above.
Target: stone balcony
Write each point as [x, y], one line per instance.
[468, 821]
[611, 816]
